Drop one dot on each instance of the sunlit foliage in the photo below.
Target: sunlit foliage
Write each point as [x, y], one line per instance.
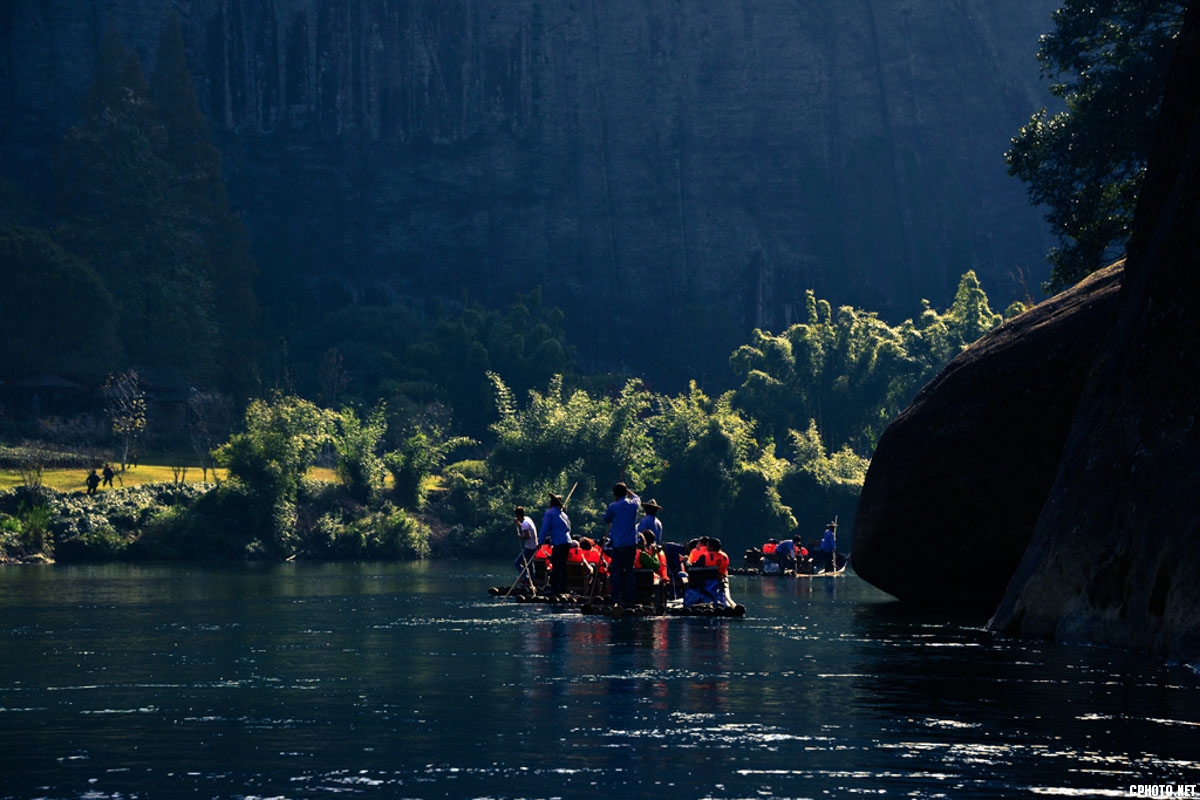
[1108, 61]
[849, 370]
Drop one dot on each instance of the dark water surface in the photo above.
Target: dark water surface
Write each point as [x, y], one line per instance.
[409, 681]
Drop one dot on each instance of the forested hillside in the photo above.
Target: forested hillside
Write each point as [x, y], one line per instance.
[699, 164]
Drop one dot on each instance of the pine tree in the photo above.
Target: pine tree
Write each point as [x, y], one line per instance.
[123, 211]
[189, 150]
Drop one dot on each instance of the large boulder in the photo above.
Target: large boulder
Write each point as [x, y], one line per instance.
[1116, 550]
[959, 478]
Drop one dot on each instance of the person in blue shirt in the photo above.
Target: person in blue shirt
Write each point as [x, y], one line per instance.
[621, 517]
[556, 530]
[829, 546]
[650, 524]
[785, 554]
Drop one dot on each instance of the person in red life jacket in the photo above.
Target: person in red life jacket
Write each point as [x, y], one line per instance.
[541, 557]
[770, 547]
[594, 557]
[709, 590]
[697, 548]
[712, 556]
[575, 554]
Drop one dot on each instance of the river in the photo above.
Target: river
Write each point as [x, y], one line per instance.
[410, 681]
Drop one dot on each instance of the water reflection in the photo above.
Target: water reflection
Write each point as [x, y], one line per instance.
[997, 711]
[407, 680]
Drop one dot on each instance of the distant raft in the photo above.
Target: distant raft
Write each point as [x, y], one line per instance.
[756, 563]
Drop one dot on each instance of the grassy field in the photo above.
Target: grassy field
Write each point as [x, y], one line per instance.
[71, 480]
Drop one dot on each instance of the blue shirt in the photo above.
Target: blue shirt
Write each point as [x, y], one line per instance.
[622, 518]
[650, 523]
[829, 543]
[785, 549]
[676, 556]
[556, 526]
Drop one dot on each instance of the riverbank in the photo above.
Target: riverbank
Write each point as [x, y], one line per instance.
[185, 518]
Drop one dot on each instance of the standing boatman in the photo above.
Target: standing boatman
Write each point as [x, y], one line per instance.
[527, 534]
[829, 546]
[622, 533]
[650, 523]
[556, 529]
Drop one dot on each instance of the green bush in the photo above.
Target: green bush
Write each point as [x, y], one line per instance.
[384, 533]
[218, 525]
[102, 544]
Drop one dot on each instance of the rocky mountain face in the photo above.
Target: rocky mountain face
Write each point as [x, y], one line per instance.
[1095, 511]
[641, 160]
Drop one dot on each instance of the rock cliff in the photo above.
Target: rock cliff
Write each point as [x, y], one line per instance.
[1088, 453]
[959, 478]
[628, 156]
[1116, 550]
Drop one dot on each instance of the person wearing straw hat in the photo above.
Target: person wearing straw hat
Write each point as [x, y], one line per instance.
[556, 529]
[650, 524]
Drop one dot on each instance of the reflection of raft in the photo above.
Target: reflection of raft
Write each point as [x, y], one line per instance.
[708, 597]
[671, 610]
[758, 567]
[523, 594]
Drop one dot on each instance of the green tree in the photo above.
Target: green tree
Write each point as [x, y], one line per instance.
[282, 439]
[562, 437]
[359, 464]
[125, 214]
[411, 358]
[421, 453]
[851, 371]
[222, 242]
[1085, 163]
[55, 312]
[714, 475]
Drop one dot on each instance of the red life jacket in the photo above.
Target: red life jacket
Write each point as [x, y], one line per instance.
[768, 548]
[717, 559]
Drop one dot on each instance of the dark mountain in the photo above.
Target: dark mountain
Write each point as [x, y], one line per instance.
[650, 164]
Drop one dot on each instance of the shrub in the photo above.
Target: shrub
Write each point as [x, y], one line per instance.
[103, 544]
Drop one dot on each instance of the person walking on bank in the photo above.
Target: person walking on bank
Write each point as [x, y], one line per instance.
[556, 529]
[92, 481]
[621, 517]
[527, 535]
[108, 475]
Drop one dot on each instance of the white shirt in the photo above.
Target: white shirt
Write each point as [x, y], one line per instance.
[529, 534]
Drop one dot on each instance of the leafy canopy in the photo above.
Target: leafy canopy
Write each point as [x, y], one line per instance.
[851, 371]
[1085, 163]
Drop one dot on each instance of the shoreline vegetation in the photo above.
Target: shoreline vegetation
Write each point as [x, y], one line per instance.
[142, 516]
[777, 456]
